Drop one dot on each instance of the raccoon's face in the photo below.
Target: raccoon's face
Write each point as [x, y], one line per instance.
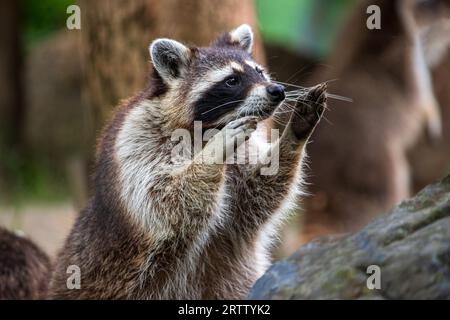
[216, 84]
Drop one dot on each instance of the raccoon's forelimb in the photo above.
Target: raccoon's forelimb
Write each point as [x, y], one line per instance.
[259, 195]
[194, 191]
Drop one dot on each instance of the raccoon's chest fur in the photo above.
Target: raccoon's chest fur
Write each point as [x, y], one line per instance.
[223, 253]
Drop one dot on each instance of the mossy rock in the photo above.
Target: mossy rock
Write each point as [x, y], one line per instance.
[410, 244]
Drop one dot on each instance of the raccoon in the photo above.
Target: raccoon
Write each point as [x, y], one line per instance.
[385, 73]
[24, 268]
[436, 163]
[159, 229]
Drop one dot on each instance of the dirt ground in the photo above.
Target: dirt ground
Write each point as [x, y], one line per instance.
[46, 225]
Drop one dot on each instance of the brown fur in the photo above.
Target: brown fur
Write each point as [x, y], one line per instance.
[24, 268]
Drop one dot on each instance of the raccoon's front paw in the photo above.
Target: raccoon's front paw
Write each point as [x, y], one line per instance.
[308, 111]
[242, 127]
[223, 145]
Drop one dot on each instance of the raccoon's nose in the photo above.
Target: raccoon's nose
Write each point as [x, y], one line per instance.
[275, 92]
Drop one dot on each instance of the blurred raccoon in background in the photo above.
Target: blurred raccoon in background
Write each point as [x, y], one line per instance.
[359, 165]
[24, 268]
[430, 161]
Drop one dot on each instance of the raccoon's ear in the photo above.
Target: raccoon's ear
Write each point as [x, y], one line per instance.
[169, 57]
[242, 36]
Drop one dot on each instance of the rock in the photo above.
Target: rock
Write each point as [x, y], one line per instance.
[410, 244]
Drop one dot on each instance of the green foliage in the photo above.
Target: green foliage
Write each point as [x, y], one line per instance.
[42, 17]
[279, 20]
[307, 25]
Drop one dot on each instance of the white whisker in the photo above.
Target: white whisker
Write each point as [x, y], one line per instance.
[338, 97]
[224, 104]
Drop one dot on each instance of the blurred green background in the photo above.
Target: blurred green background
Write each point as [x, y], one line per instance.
[304, 25]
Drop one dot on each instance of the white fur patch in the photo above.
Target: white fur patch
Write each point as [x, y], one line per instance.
[134, 145]
[252, 64]
[236, 66]
[142, 161]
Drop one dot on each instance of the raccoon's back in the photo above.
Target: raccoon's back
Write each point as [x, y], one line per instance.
[24, 268]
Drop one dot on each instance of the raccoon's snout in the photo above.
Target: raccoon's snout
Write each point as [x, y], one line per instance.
[275, 93]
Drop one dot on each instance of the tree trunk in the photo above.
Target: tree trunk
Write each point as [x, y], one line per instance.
[116, 35]
[10, 75]
[198, 22]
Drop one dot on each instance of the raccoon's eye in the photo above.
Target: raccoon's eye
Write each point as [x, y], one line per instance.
[232, 82]
[260, 71]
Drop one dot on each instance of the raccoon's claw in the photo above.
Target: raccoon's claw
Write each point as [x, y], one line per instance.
[309, 110]
[229, 139]
[313, 103]
[246, 123]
